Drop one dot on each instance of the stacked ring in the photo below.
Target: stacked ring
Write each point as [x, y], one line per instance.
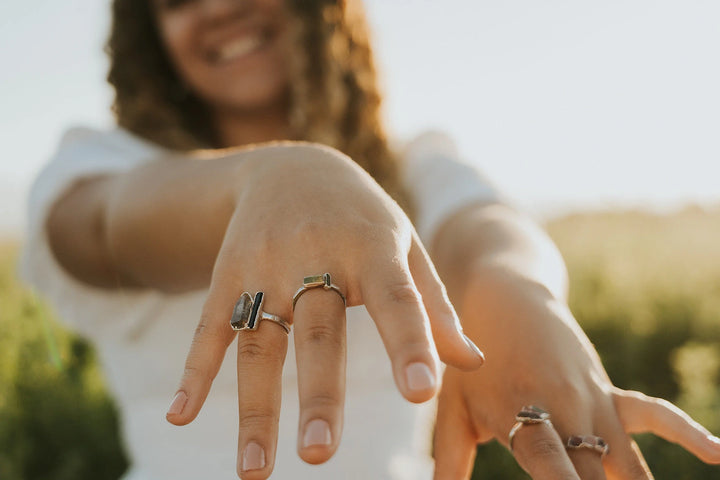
[592, 442]
[528, 415]
[316, 281]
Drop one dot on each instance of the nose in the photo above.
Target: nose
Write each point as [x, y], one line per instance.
[218, 10]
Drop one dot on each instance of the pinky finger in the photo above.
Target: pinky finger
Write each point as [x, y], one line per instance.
[640, 413]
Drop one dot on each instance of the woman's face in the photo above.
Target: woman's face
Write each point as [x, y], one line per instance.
[231, 53]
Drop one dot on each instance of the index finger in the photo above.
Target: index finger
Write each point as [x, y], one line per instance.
[212, 337]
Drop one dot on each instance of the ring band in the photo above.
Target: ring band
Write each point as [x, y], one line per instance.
[593, 442]
[316, 281]
[248, 313]
[528, 415]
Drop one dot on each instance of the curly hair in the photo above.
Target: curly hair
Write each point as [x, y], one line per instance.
[334, 100]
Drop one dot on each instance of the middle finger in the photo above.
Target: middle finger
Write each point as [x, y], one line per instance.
[540, 452]
[261, 354]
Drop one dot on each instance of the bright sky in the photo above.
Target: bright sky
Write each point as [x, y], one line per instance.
[565, 105]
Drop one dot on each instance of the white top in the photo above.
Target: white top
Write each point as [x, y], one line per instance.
[142, 337]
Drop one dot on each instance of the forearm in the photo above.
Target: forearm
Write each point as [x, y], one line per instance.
[159, 225]
[495, 240]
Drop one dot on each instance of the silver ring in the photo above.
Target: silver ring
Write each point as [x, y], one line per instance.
[528, 415]
[248, 313]
[593, 442]
[316, 281]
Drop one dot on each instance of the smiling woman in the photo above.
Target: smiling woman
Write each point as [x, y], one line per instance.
[249, 160]
[232, 65]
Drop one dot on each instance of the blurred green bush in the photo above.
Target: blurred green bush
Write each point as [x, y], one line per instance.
[57, 422]
[645, 288]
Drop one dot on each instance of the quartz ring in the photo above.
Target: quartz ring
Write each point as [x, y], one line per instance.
[593, 442]
[316, 281]
[528, 415]
[248, 313]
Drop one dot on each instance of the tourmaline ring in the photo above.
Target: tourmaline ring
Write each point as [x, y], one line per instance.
[593, 442]
[528, 415]
[248, 313]
[316, 281]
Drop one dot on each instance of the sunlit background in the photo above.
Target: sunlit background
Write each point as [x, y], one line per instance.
[565, 105]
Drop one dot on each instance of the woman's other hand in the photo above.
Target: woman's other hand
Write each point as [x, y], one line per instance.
[304, 210]
[537, 354]
[512, 297]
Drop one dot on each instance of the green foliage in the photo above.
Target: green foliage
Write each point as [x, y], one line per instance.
[645, 288]
[56, 420]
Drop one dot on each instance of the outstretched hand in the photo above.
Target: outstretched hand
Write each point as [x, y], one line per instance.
[303, 210]
[538, 355]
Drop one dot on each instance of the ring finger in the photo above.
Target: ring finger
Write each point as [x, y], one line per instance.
[320, 352]
[588, 462]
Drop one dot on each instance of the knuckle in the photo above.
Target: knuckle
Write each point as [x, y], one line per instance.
[252, 352]
[377, 237]
[254, 418]
[206, 330]
[192, 371]
[545, 448]
[322, 401]
[321, 333]
[403, 293]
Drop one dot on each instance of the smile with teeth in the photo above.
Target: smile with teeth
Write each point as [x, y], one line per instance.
[239, 48]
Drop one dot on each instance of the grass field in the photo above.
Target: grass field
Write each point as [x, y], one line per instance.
[646, 288]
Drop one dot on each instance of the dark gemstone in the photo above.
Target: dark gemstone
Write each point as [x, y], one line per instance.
[257, 304]
[241, 312]
[575, 441]
[532, 415]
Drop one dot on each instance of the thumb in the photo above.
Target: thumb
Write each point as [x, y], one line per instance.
[454, 442]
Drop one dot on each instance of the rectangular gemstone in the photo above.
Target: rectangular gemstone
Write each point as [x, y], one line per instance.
[314, 281]
[257, 304]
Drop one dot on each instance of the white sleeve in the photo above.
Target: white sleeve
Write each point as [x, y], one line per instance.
[82, 153]
[440, 183]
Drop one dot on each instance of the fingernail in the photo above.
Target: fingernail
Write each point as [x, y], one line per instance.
[253, 457]
[177, 404]
[419, 376]
[317, 432]
[714, 439]
[474, 348]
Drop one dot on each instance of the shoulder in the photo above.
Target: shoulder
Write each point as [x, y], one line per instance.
[440, 181]
[433, 158]
[429, 144]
